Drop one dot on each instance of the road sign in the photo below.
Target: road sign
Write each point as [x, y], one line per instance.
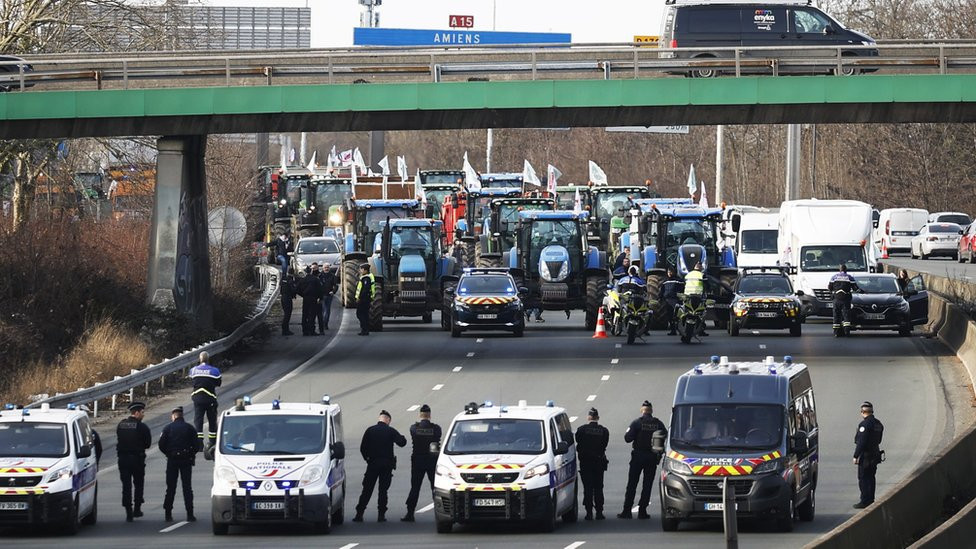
[649, 129]
[647, 39]
[364, 36]
[461, 21]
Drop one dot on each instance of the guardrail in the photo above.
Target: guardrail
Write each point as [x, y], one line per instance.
[632, 60]
[270, 277]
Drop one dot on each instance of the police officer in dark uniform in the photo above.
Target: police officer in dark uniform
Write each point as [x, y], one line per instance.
[133, 439]
[289, 289]
[377, 450]
[206, 379]
[179, 444]
[643, 459]
[668, 295]
[842, 286]
[311, 291]
[426, 437]
[365, 292]
[867, 453]
[591, 449]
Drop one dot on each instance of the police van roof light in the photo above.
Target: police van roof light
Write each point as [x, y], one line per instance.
[488, 404]
[714, 359]
[724, 360]
[788, 359]
[698, 369]
[9, 406]
[26, 412]
[471, 408]
[275, 404]
[326, 399]
[550, 404]
[247, 400]
[733, 368]
[71, 406]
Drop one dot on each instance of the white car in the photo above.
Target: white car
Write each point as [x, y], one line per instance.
[936, 239]
[959, 218]
[316, 249]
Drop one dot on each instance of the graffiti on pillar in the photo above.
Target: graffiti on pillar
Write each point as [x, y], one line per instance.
[192, 283]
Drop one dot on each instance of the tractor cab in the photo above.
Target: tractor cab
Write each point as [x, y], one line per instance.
[607, 203]
[501, 181]
[437, 194]
[329, 195]
[566, 197]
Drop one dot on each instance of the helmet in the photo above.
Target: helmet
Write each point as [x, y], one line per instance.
[633, 271]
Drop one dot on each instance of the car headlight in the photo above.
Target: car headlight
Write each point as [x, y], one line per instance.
[227, 476]
[59, 474]
[462, 306]
[282, 202]
[904, 307]
[740, 306]
[445, 471]
[868, 43]
[677, 466]
[335, 218]
[563, 271]
[771, 466]
[312, 475]
[537, 471]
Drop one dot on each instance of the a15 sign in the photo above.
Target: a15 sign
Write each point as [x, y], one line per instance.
[462, 21]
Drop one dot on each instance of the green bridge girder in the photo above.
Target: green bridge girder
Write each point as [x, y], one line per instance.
[523, 103]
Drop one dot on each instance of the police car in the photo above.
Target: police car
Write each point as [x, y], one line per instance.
[48, 468]
[507, 464]
[764, 298]
[754, 423]
[484, 299]
[279, 462]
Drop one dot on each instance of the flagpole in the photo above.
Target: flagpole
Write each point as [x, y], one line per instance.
[488, 151]
[719, 161]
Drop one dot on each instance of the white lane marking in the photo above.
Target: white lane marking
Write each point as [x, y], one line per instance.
[169, 529]
[618, 345]
[413, 408]
[437, 387]
[479, 340]
[315, 358]
[349, 546]
[574, 545]
[470, 355]
[573, 419]
[762, 346]
[605, 378]
[428, 507]
[456, 369]
[755, 332]
[615, 361]
[591, 398]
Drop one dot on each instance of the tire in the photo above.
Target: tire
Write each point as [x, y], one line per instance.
[733, 328]
[548, 525]
[92, 517]
[658, 319]
[466, 253]
[350, 274]
[324, 527]
[572, 515]
[376, 310]
[428, 317]
[669, 524]
[519, 332]
[444, 526]
[631, 333]
[808, 509]
[71, 525]
[848, 71]
[704, 73]
[596, 289]
[339, 516]
[796, 330]
[905, 331]
[219, 528]
[785, 524]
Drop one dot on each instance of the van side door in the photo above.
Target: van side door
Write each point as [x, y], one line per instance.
[85, 466]
[565, 464]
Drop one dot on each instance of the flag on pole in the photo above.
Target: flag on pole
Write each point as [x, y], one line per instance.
[419, 191]
[354, 170]
[333, 158]
[345, 158]
[597, 175]
[357, 160]
[284, 159]
[703, 200]
[402, 167]
[528, 175]
[552, 175]
[311, 163]
[692, 185]
[577, 203]
[471, 180]
[384, 165]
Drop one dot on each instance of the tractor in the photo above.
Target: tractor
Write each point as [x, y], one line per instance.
[677, 234]
[498, 231]
[410, 269]
[324, 198]
[609, 202]
[437, 194]
[501, 180]
[464, 215]
[556, 265]
[364, 221]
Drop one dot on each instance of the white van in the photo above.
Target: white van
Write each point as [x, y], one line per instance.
[280, 462]
[896, 227]
[756, 243]
[48, 468]
[507, 464]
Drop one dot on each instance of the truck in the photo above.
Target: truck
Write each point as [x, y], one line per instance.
[815, 237]
[756, 237]
[410, 271]
[552, 260]
[498, 232]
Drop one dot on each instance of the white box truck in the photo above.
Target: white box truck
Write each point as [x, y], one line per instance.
[896, 227]
[756, 245]
[816, 237]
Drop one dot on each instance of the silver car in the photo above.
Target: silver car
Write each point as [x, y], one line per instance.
[315, 249]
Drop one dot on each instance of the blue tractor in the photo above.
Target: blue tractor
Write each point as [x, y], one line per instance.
[553, 261]
[410, 269]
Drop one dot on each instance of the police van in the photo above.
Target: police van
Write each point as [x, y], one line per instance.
[507, 464]
[48, 468]
[279, 462]
[754, 423]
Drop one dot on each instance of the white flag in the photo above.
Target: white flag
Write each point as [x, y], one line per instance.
[357, 160]
[345, 158]
[419, 191]
[402, 167]
[703, 201]
[528, 175]
[471, 180]
[384, 165]
[577, 203]
[333, 158]
[552, 175]
[311, 163]
[597, 175]
[284, 159]
[692, 185]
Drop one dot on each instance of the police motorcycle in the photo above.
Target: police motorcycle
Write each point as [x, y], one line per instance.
[629, 310]
[690, 316]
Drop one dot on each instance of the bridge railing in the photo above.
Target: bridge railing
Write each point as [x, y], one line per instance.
[598, 61]
[270, 277]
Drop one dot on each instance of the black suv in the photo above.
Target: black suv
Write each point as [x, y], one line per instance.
[725, 25]
[764, 298]
[484, 299]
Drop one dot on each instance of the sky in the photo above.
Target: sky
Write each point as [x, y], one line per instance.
[587, 21]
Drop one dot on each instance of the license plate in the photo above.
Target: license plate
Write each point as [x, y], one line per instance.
[13, 506]
[489, 502]
[830, 305]
[268, 505]
[874, 316]
[766, 315]
[717, 506]
[487, 317]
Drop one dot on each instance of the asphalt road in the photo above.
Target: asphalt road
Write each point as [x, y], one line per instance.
[939, 266]
[413, 363]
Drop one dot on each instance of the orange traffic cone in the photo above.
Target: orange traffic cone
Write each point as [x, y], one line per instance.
[601, 328]
[884, 250]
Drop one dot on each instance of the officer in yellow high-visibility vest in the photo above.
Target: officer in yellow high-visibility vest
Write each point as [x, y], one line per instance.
[365, 292]
[695, 281]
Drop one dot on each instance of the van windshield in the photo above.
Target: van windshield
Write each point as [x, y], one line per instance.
[272, 434]
[759, 241]
[726, 427]
[496, 436]
[830, 258]
[24, 439]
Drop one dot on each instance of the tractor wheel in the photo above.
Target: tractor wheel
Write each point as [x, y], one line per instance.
[376, 310]
[659, 318]
[596, 289]
[350, 277]
[466, 253]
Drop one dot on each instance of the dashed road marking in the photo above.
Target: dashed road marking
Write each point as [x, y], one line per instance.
[762, 346]
[572, 419]
[618, 345]
[413, 408]
[470, 355]
[349, 546]
[615, 361]
[574, 545]
[437, 387]
[591, 398]
[456, 369]
[755, 332]
[479, 340]
[605, 378]
[169, 529]
[428, 507]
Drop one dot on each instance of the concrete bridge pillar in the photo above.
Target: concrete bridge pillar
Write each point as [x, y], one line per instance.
[179, 260]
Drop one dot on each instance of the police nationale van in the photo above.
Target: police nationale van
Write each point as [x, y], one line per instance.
[279, 462]
[507, 464]
[48, 468]
[753, 422]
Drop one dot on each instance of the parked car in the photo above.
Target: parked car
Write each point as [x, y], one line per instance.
[967, 245]
[936, 239]
[879, 304]
[316, 249]
[959, 218]
[10, 72]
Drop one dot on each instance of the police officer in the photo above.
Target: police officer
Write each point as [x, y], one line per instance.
[179, 444]
[329, 285]
[311, 290]
[643, 459]
[591, 448]
[289, 288]
[842, 286]
[133, 439]
[632, 277]
[365, 292]
[377, 450]
[668, 294]
[867, 453]
[206, 379]
[426, 437]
